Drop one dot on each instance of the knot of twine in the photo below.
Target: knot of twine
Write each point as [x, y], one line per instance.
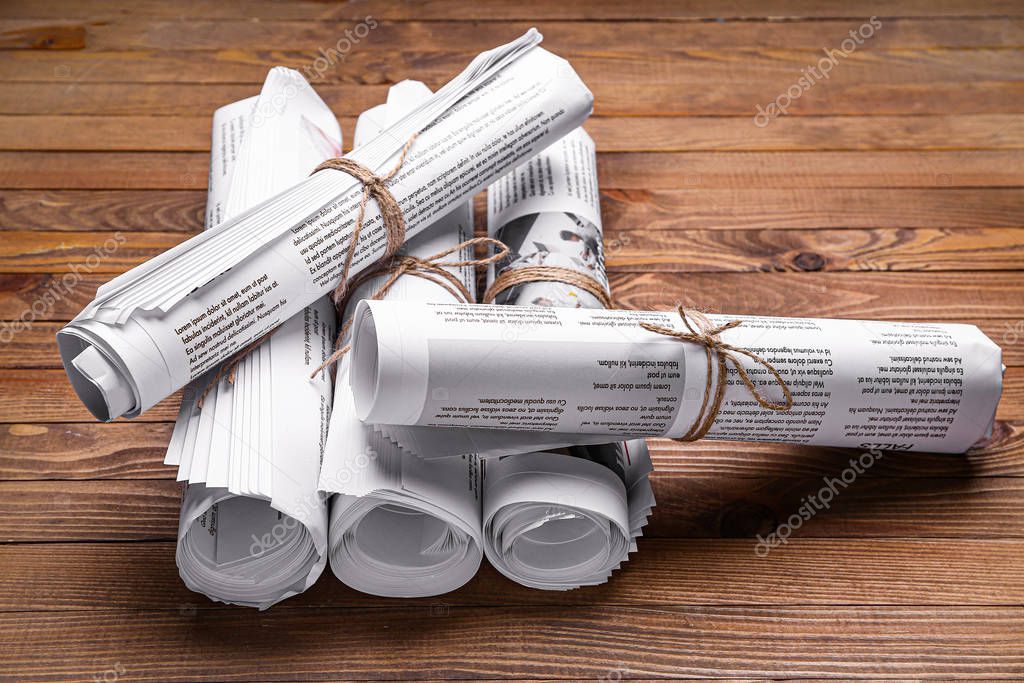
[374, 186]
[706, 334]
[518, 276]
[431, 268]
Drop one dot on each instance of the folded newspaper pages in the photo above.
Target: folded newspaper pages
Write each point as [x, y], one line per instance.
[166, 322]
[548, 212]
[863, 384]
[253, 528]
[400, 526]
[567, 519]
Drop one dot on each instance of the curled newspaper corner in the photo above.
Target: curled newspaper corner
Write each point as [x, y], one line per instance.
[168, 321]
[253, 527]
[400, 526]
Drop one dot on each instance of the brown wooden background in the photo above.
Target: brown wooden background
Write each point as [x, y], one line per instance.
[892, 191]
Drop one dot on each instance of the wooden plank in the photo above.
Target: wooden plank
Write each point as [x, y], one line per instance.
[687, 251]
[872, 507]
[31, 298]
[135, 450]
[728, 98]
[638, 170]
[772, 68]
[716, 506]
[562, 37]
[34, 36]
[164, 210]
[237, 44]
[809, 170]
[799, 250]
[34, 345]
[870, 296]
[806, 133]
[47, 396]
[638, 134]
[586, 642]
[740, 208]
[100, 253]
[505, 10]
[125, 450]
[137, 576]
[704, 209]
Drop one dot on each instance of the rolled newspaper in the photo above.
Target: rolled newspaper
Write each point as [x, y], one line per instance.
[562, 520]
[166, 322]
[400, 526]
[253, 527]
[862, 384]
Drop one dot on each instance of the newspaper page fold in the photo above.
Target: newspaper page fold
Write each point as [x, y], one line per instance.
[253, 527]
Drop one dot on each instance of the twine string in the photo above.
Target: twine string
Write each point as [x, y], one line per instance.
[432, 268]
[374, 187]
[705, 333]
[518, 276]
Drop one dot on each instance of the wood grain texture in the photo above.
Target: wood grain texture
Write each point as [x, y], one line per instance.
[639, 134]
[586, 642]
[665, 572]
[750, 69]
[18, 36]
[237, 44]
[47, 396]
[871, 296]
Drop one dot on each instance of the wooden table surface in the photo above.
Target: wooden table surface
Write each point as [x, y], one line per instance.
[891, 190]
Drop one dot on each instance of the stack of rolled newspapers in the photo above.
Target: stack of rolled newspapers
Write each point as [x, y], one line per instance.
[401, 525]
[457, 424]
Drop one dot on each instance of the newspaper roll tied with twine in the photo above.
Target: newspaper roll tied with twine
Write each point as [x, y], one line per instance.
[548, 213]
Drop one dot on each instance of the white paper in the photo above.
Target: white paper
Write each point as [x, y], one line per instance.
[253, 527]
[166, 322]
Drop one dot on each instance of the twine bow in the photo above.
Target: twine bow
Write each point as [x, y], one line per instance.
[706, 334]
[431, 268]
[375, 187]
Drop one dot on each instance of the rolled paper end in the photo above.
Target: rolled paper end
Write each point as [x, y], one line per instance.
[100, 385]
[365, 375]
